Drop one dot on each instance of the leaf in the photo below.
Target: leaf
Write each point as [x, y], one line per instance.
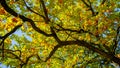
[14, 20]
[60, 1]
[77, 30]
[24, 48]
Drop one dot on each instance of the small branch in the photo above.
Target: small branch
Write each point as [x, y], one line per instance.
[68, 36]
[39, 58]
[3, 50]
[60, 58]
[14, 55]
[90, 7]
[1, 42]
[52, 52]
[93, 12]
[8, 34]
[7, 50]
[33, 10]
[107, 48]
[103, 2]
[28, 58]
[116, 40]
[71, 30]
[95, 59]
[55, 35]
[12, 31]
[45, 11]
[5, 36]
[85, 3]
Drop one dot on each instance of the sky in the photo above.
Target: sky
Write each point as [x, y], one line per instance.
[3, 66]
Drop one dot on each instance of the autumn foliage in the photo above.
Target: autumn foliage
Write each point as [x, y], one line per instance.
[60, 33]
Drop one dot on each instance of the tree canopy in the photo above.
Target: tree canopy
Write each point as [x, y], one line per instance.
[60, 33]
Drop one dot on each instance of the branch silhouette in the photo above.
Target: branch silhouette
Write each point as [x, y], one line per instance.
[90, 46]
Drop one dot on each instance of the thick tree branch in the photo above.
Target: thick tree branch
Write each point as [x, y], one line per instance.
[55, 35]
[12, 12]
[87, 45]
[12, 31]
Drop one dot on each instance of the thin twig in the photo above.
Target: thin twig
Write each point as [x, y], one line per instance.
[33, 10]
[45, 11]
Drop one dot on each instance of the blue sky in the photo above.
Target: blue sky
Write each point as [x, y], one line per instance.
[3, 66]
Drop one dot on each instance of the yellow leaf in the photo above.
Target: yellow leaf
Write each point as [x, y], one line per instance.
[15, 47]
[24, 48]
[88, 37]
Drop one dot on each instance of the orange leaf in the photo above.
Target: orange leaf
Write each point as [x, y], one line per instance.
[14, 20]
[2, 11]
[60, 1]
